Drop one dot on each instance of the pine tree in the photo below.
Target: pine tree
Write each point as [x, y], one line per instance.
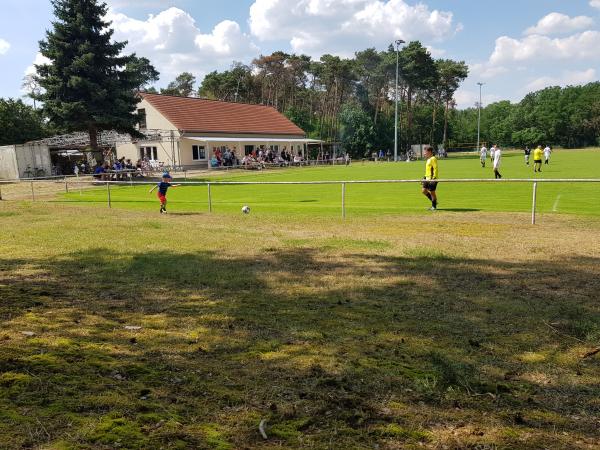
[90, 85]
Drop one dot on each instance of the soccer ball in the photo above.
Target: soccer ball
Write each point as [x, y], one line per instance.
[246, 209]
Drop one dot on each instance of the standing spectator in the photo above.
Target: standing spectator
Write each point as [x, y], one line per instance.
[497, 160]
[347, 158]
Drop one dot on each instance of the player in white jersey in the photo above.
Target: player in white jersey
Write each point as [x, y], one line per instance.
[547, 153]
[492, 151]
[483, 155]
[497, 159]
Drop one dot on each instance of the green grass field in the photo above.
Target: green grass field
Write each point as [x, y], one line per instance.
[383, 198]
[463, 329]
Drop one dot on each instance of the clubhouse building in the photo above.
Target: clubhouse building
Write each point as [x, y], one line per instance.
[187, 132]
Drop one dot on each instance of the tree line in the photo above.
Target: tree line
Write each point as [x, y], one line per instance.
[345, 100]
[351, 101]
[567, 117]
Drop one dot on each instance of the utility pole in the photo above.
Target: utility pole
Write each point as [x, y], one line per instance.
[479, 116]
[398, 43]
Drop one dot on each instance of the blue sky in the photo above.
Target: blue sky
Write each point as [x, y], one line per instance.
[513, 46]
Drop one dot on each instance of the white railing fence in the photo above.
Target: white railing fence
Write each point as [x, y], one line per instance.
[77, 182]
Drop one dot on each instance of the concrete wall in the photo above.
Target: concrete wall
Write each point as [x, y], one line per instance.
[21, 161]
[31, 157]
[8, 163]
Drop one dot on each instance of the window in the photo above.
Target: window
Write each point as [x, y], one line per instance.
[248, 149]
[149, 153]
[198, 152]
[142, 118]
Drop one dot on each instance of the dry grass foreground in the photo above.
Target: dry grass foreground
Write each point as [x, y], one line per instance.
[130, 330]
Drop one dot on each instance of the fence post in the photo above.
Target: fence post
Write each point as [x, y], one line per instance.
[534, 203]
[343, 200]
[108, 192]
[209, 198]
[32, 193]
[66, 185]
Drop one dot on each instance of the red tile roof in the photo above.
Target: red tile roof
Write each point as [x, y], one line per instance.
[212, 116]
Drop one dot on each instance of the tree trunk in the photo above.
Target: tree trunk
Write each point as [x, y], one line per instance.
[445, 141]
[409, 130]
[93, 132]
[433, 117]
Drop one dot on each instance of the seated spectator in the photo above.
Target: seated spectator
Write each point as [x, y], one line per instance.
[280, 161]
[99, 172]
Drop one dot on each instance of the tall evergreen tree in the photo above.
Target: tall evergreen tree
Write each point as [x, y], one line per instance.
[90, 85]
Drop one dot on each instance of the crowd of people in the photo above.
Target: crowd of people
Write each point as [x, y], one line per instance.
[258, 158]
[123, 169]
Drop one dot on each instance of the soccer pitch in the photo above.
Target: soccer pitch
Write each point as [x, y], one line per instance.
[406, 330]
[382, 198]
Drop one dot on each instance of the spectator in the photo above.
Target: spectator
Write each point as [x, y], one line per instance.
[99, 172]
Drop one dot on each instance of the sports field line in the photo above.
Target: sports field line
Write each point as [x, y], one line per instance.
[555, 206]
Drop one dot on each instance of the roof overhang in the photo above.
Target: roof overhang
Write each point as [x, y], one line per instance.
[254, 139]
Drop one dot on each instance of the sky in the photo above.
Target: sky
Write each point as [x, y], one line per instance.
[512, 46]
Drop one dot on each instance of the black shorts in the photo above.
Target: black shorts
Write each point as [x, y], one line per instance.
[429, 185]
[537, 161]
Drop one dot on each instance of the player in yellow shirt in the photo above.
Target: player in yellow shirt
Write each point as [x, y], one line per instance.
[538, 153]
[431, 175]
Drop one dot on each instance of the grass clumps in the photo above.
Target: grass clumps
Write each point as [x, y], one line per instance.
[393, 430]
[179, 340]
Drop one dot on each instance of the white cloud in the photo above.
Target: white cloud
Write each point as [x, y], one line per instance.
[556, 23]
[435, 52]
[315, 27]
[595, 3]
[486, 71]
[39, 60]
[174, 44]
[580, 46]
[468, 98]
[568, 78]
[4, 46]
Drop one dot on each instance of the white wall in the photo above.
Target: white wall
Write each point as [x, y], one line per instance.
[163, 149]
[33, 156]
[15, 159]
[8, 163]
[154, 119]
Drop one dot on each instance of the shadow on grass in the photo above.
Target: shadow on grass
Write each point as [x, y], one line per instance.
[458, 209]
[180, 350]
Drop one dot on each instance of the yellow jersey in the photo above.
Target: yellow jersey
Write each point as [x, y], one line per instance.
[431, 169]
[537, 154]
